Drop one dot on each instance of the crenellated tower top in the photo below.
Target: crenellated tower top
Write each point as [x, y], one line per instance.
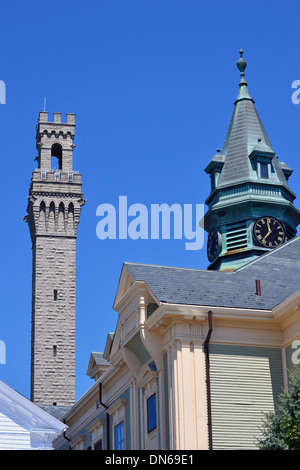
[54, 140]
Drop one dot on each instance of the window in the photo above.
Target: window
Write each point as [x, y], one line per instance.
[264, 170]
[119, 436]
[55, 294]
[147, 383]
[151, 412]
[54, 350]
[213, 181]
[96, 428]
[42, 207]
[56, 156]
[52, 209]
[98, 445]
[71, 210]
[117, 411]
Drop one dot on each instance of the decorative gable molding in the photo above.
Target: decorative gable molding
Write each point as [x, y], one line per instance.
[24, 425]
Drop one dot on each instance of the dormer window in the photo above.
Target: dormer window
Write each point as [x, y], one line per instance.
[214, 169]
[213, 181]
[261, 159]
[264, 170]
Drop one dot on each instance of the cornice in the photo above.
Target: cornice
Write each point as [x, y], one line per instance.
[97, 422]
[251, 188]
[116, 405]
[290, 307]
[137, 289]
[77, 439]
[199, 313]
[59, 194]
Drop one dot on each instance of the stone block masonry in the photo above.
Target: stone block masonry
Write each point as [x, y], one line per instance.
[53, 322]
[53, 212]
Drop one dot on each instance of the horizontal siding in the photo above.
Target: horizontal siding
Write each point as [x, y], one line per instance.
[136, 346]
[15, 441]
[126, 395]
[12, 435]
[166, 401]
[245, 383]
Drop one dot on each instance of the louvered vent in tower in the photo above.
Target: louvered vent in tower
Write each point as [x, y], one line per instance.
[236, 236]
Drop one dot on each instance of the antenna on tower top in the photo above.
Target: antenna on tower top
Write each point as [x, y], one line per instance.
[45, 103]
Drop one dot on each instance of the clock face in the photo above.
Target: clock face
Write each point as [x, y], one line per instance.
[213, 244]
[269, 232]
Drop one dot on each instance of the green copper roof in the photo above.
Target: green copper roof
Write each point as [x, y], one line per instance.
[245, 133]
[247, 182]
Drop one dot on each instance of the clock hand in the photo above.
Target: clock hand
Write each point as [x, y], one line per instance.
[269, 228]
[269, 232]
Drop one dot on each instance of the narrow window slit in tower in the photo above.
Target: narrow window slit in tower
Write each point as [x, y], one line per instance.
[55, 294]
[54, 350]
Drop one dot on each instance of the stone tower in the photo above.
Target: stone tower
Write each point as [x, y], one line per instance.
[251, 207]
[53, 211]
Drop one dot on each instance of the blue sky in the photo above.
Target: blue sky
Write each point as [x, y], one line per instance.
[152, 84]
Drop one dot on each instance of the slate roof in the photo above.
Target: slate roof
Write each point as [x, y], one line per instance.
[244, 133]
[57, 411]
[278, 271]
[244, 130]
[99, 359]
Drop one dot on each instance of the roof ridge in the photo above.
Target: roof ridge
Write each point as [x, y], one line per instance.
[168, 267]
[265, 255]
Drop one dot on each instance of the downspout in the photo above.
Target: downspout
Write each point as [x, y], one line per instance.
[208, 392]
[107, 415]
[64, 434]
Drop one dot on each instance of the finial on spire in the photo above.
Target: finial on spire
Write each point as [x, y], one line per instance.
[241, 65]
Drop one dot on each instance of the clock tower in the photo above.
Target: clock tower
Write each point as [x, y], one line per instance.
[251, 206]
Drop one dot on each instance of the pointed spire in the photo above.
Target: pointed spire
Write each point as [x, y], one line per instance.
[246, 136]
[243, 92]
[244, 130]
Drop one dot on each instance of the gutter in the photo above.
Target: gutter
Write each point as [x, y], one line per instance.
[208, 392]
[107, 415]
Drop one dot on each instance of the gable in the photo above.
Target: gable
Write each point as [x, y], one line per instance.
[125, 282]
[22, 422]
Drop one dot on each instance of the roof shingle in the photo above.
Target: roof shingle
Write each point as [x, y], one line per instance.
[278, 271]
